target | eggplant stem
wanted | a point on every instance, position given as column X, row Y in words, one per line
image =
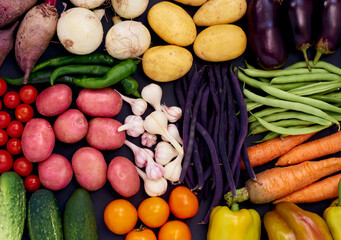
column 317, row 57
column 304, row 51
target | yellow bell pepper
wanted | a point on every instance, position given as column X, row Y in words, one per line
column 332, row 215
column 234, row 224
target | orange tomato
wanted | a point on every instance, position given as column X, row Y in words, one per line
column 141, row 234
column 120, row 216
column 183, row 202
column 175, row 230
column 153, row 212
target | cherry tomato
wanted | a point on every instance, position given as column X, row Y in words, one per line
column 153, row 212
column 22, row 166
column 6, row 161
column 15, row 128
column 3, row 137
column 183, row 203
column 32, row 183
column 120, row 216
column 13, row 146
column 11, row 99
column 141, row 234
column 3, row 86
column 28, row 94
column 175, row 230
column 24, row 112
column 5, row 119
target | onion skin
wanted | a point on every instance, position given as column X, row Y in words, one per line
column 130, row 9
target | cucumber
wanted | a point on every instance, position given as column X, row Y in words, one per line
column 43, row 217
column 79, row 217
column 12, row 206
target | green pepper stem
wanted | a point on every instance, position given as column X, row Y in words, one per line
column 235, row 207
column 241, row 195
column 339, row 189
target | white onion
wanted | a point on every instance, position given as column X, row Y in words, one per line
column 89, row 4
column 127, row 39
column 80, row 31
column 129, row 8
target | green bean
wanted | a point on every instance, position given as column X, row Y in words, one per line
column 252, row 105
column 291, row 130
column 292, row 115
column 280, row 72
column 283, row 123
column 265, row 112
column 267, row 137
column 315, row 88
column 252, row 67
column 306, row 78
column 305, row 100
column 256, row 84
column 289, row 105
column 320, row 64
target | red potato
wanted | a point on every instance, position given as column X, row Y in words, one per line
column 6, row 41
column 34, row 35
column 37, row 140
column 123, row 176
column 11, row 10
column 54, row 100
column 104, row 102
column 103, row 134
column 90, row 168
column 71, row 126
column 55, row 173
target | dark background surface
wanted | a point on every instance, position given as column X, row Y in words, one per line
column 105, row 195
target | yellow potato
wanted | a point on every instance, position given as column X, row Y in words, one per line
column 220, row 43
column 172, row 23
column 166, row 63
column 192, row 2
column 219, row 12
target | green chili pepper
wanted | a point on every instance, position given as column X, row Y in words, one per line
column 93, row 58
column 79, row 69
column 37, row 77
column 118, row 72
column 130, row 86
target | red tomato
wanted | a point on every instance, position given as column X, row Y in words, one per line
column 141, row 234
column 28, row 94
column 24, row 112
column 3, row 137
column 175, row 230
column 11, row 99
column 14, row 129
column 6, row 161
column 32, row 183
column 5, row 119
column 183, row 203
column 22, row 166
column 13, row 146
column 3, row 87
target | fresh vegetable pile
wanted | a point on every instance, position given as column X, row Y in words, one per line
column 138, row 120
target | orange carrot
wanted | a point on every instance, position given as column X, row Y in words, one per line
column 265, row 152
column 278, row 182
column 311, row 150
column 315, row 192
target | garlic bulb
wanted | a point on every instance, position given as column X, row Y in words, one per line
column 153, row 188
column 148, row 139
column 164, row 153
column 133, row 125
column 173, row 113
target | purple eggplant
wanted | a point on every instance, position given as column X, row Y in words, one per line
column 264, row 33
column 330, row 35
column 300, row 13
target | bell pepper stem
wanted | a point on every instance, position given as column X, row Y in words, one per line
column 241, row 195
column 235, row 207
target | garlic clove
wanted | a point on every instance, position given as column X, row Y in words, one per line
column 174, row 132
column 152, row 94
column 148, row 139
column 173, row 169
column 164, row 153
column 173, row 113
